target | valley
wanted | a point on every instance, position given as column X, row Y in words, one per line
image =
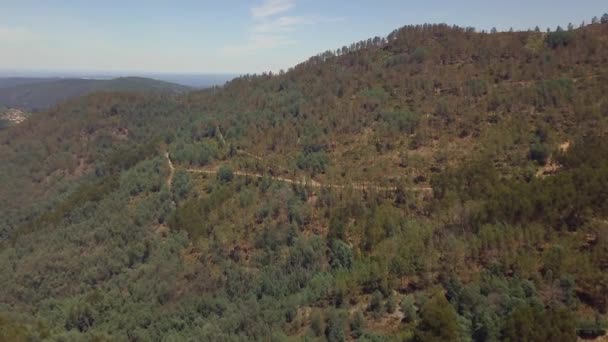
column 438, row 184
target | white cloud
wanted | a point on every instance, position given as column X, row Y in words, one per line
column 272, row 26
column 289, row 23
column 257, row 42
column 269, row 29
column 272, row 7
column 281, row 24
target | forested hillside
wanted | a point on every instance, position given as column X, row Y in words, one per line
column 41, row 93
column 439, row 184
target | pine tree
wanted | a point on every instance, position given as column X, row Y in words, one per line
column 438, row 321
column 334, row 332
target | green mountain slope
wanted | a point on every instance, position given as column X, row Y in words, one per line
column 438, row 184
column 37, row 94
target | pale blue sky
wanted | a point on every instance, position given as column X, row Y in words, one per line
column 235, row 36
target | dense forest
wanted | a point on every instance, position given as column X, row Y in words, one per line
column 436, row 184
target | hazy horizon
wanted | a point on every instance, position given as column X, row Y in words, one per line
column 196, row 80
column 236, row 38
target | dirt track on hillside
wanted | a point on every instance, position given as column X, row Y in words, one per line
column 361, row 186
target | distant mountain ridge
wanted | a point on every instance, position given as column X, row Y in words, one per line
column 33, row 94
column 8, row 82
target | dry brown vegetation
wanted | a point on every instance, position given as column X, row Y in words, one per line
column 148, row 217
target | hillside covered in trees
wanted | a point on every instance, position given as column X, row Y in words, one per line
column 438, row 184
column 31, row 94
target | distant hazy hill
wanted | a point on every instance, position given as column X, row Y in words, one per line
column 8, row 82
column 192, row 80
column 40, row 93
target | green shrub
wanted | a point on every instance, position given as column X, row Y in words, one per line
column 403, row 122
column 420, row 54
column 182, row 184
column 357, row 325
column 391, row 304
column 524, row 322
column 316, row 323
column 375, row 302
column 315, row 162
column 335, row 327
column 438, row 321
column 80, row 317
column 408, row 307
column 591, row 328
column 539, row 152
column 476, row 87
column 225, row 174
column 341, row 255
column 559, row 38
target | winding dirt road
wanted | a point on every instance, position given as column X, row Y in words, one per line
column 364, row 186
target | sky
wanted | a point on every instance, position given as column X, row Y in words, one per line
column 234, row 36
